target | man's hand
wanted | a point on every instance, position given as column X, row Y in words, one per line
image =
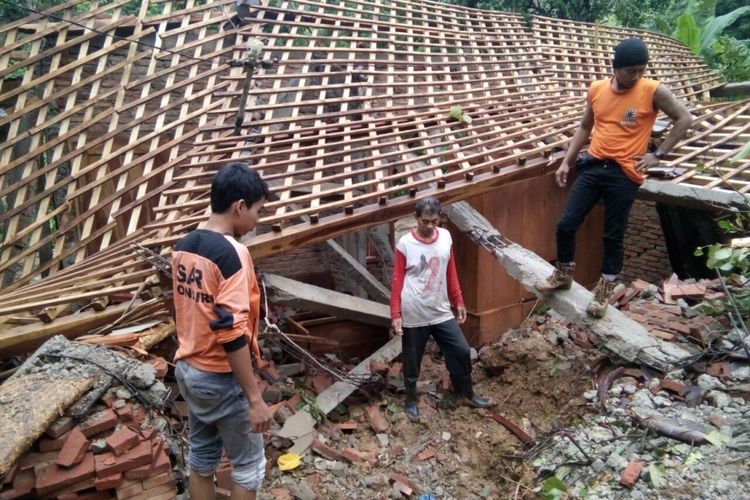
column 561, row 174
column 260, row 417
column 461, row 317
column 644, row 162
column 397, row 326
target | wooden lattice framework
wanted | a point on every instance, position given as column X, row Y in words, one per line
column 107, row 142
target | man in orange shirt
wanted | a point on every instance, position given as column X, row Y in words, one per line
column 621, row 110
column 217, row 306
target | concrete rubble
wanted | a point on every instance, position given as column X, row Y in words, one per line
column 565, row 417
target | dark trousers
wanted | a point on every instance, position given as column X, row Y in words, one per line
column 597, row 179
column 452, row 344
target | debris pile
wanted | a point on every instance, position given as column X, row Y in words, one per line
column 112, row 441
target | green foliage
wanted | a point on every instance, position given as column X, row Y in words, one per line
column 553, row 488
column 656, row 472
column 698, row 26
column 457, row 113
column 312, row 405
column 716, row 30
column 688, row 32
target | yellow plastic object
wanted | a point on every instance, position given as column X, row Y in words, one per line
column 288, row 461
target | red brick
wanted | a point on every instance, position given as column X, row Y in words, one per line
column 347, row 426
column 129, row 490
column 663, row 335
column 400, row 478
column 719, row 369
column 291, row 403
column 122, row 440
column 403, row 488
column 358, row 457
column 60, row 427
column 74, row 449
column 270, row 371
column 281, row 494
column 314, row 479
column 36, row 460
column 674, row 386
column 631, row 473
column 679, row 327
column 99, row 422
column 163, row 492
column 108, row 464
column 158, row 480
column 148, row 432
column 85, row 495
column 24, row 481
column 425, row 454
column 377, row 420
column 53, row 477
column 125, row 413
column 109, row 482
column 326, row 451
column 157, row 465
column 51, row 444
column 637, row 317
column 160, row 366
column 321, row 382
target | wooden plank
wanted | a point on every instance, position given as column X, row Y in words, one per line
column 314, row 298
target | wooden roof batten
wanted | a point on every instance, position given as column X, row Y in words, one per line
column 109, row 142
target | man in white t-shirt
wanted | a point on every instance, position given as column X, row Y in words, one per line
column 424, row 286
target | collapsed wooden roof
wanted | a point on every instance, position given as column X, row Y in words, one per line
column 117, row 117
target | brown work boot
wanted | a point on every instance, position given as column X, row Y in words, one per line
column 602, row 293
column 561, row 279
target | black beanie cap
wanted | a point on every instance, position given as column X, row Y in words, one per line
column 630, row 52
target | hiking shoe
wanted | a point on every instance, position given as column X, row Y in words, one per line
column 560, row 279
column 412, row 410
column 602, row 293
column 477, row 402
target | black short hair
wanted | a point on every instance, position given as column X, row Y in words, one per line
column 237, row 181
column 431, row 205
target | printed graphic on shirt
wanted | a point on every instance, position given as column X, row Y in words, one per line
column 431, row 277
column 190, row 284
column 630, row 118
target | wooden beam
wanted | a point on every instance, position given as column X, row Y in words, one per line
column 732, row 90
column 358, row 274
column 314, row 298
column 615, row 333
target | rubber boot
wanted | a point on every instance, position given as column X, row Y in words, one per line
column 410, row 406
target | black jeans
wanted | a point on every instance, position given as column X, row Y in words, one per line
column 452, row 344
column 597, row 179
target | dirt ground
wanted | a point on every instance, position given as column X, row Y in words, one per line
column 470, row 455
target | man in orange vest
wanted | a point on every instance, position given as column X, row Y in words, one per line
column 621, row 110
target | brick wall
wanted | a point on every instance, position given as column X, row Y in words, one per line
column 645, row 249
